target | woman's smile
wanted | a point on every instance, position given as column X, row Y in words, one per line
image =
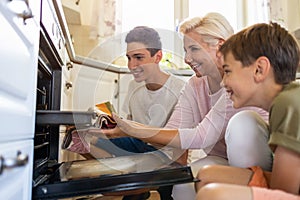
column 196, row 68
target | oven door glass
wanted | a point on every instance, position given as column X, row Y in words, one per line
column 109, row 175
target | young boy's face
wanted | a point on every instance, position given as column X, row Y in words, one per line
column 239, row 81
column 140, row 62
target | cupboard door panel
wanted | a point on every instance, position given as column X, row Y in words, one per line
column 19, row 41
column 16, row 182
column 92, row 86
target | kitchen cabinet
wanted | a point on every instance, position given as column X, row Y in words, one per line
column 93, row 86
column 19, row 39
column 67, row 84
column 16, row 176
column 124, row 80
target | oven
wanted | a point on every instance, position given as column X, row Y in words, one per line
column 56, row 180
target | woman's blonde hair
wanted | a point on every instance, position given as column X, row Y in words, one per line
column 212, row 27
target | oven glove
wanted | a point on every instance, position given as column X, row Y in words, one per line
column 105, row 122
column 68, row 137
column 78, row 141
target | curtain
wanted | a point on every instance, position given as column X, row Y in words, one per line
column 255, row 11
column 104, row 19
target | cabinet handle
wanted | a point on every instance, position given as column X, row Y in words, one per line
column 68, row 85
column 116, row 93
column 9, row 163
column 69, row 65
column 26, row 13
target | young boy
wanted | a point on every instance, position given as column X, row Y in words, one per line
column 260, row 70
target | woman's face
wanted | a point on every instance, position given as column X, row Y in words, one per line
column 201, row 56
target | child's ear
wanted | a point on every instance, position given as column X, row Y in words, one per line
column 262, row 65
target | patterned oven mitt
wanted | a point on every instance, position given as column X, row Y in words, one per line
column 78, row 141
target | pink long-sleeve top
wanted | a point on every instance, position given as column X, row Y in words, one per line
column 202, row 117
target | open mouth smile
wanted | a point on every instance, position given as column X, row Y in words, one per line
column 230, row 93
column 136, row 72
column 196, row 67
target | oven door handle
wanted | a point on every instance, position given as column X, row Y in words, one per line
column 9, row 163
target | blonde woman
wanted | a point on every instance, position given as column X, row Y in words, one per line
column 204, row 112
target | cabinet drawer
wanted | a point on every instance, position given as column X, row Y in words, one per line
column 16, row 182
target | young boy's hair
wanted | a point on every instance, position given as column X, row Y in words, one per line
column 147, row 36
column 271, row 41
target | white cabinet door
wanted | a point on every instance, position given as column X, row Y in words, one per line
column 66, row 85
column 19, row 41
column 92, row 86
column 16, row 181
column 123, row 89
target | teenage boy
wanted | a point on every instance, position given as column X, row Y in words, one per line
column 150, row 99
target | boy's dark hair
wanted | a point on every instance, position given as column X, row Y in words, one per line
column 270, row 40
column 147, row 36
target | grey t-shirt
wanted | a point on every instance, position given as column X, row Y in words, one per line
column 152, row 107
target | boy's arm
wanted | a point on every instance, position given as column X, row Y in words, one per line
column 286, row 173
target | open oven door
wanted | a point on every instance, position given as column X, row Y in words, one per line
column 111, row 175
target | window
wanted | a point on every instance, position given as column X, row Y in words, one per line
column 227, row 8
column 240, row 13
column 154, row 13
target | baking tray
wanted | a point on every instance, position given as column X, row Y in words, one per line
column 112, row 175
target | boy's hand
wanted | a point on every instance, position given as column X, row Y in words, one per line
column 113, row 133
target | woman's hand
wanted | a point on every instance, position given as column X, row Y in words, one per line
column 126, row 125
